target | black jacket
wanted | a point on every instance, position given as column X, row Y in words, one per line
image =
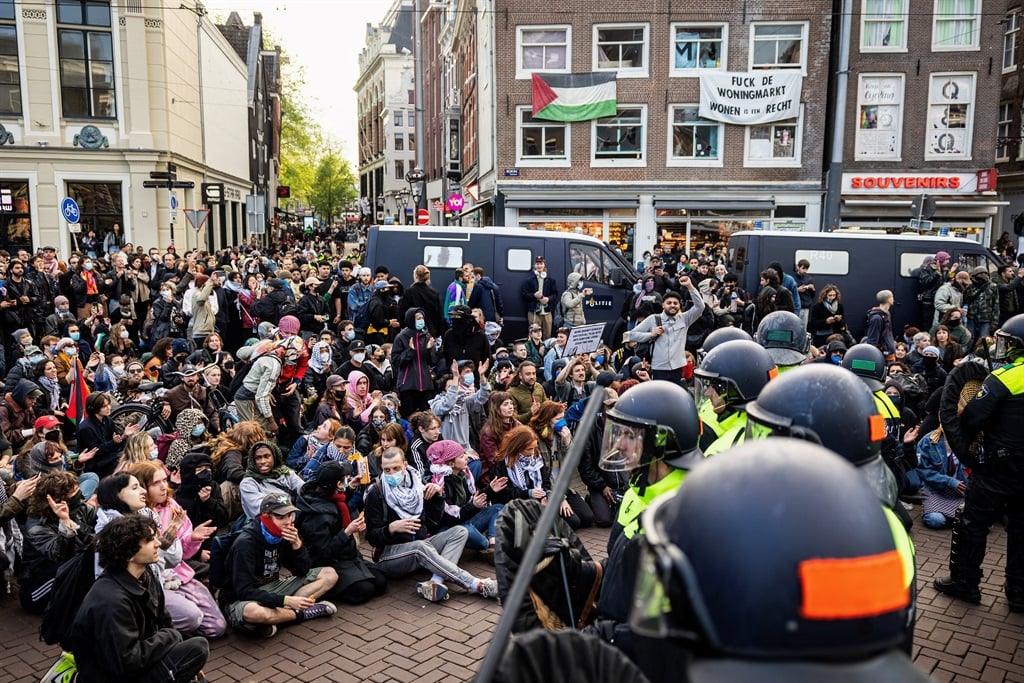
column 379, row 516
column 252, row 563
column 423, row 296
column 321, row 527
column 187, row 495
column 122, row 629
column 310, row 306
column 97, row 432
column 269, row 307
column 411, row 358
column 513, row 492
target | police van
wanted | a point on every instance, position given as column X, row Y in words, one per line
column 507, row 257
column 859, row 264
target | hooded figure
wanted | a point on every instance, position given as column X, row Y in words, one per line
column 191, row 428
column 572, row 301
column 466, row 340
column 197, row 474
column 321, row 364
column 17, row 412
column 256, row 484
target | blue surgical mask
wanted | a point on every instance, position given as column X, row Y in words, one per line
column 420, row 323
column 35, row 359
column 75, row 336
column 393, row 480
column 837, row 359
column 350, row 335
column 560, row 425
column 154, row 452
column 468, row 380
column 198, row 430
column 87, row 266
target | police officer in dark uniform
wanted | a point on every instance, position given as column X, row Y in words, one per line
column 729, row 377
column 996, row 486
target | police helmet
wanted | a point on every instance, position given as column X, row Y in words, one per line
column 868, row 363
column 783, row 334
column 654, row 420
column 733, row 374
column 788, row 587
column 1010, row 339
column 720, row 336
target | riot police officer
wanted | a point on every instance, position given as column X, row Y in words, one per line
column 782, row 333
column 996, row 486
column 712, row 429
column 731, row 375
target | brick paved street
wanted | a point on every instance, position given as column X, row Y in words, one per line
column 400, row 637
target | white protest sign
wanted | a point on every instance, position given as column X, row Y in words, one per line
column 583, row 339
column 747, row 98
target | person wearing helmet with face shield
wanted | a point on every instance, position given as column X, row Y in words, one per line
column 997, row 475
column 730, row 376
column 782, row 334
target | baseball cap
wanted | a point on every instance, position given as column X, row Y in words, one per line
column 277, row 503
column 357, row 345
column 335, row 381
column 46, row 422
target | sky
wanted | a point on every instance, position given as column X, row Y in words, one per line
column 324, row 37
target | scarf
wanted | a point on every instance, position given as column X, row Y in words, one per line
column 38, row 461
column 236, row 287
column 341, row 502
column 90, row 283
column 53, row 388
column 280, row 469
column 406, row 499
column 526, row 467
column 832, row 306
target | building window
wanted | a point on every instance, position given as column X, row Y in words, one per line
column 10, row 78
column 775, row 144
column 955, row 24
column 879, row 117
column 621, row 48
column 15, row 216
column 412, row 142
column 778, row 46
column 399, row 118
column 86, row 59
column 1003, row 141
column 620, row 140
column 543, row 48
column 1012, row 23
column 693, row 140
column 950, row 116
column 100, row 206
column 699, row 47
column 399, row 170
column 539, row 142
column 399, row 142
column 883, row 26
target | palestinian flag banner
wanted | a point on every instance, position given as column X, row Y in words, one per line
column 573, row 97
column 79, row 392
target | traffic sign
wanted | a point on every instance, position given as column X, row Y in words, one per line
column 174, row 202
column 197, row 217
column 437, row 205
column 455, row 202
column 69, row 208
column 422, row 217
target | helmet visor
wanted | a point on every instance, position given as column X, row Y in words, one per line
column 1004, row 345
column 712, row 393
column 622, row 446
column 761, row 424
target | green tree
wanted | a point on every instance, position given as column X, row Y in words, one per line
column 334, row 185
column 301, row 137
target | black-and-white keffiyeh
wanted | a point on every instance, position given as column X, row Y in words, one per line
column 526, row 471
column 406, row 499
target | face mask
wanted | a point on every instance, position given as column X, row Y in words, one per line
column 270, row 525
column 53, row 349
column 53, row 435
column 378, row 424
column 580, row 286
column 154, row 452
column 954, row 322
column 325, row 358
column 76, row 501
column 71, row 351
column 393, row 480
column 837, row 359
column 75, row 336
column 87, row 266
column 350, row 335
column 63, row 310
column 338, row 395
column 420, row 323
column 35, row 359
column 205, row 477
column 166, row 294
column 930, row 361
column 118, row 370
column 359, row 357
column 561, row 424
column 125, row 334
column 198, row 430
column 468, row 380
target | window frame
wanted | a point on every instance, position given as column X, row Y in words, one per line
column 937, row 17
column 903, row 19
column 525, row 73
column 85, row 31
column 1003, row 130
column 674, row 27
column 621, row 71
column 611, row 162
column 541, row 161
column 1010, row 34
column 14, row 86
column 804, row 30
column 688, row 162
column 859, row 153
column 398, row 142
column 930, row 125
column 782, row 162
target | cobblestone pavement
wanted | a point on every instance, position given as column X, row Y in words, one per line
column 400, row 637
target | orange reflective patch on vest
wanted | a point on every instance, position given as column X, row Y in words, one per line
column 852, row 588
column 876, row 427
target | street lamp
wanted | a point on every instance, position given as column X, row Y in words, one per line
column 416, row 179
column 402, row 200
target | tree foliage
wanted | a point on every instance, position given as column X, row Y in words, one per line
column 334, row 185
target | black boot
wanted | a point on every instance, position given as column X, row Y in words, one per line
column 965, row 556
column 958, row 588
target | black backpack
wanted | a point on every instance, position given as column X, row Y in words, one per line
column 71, row 584
column 220, row 547
column 646, row 349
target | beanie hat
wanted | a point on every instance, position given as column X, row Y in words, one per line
column 942, row 256
column 289, row 325
column 444, row 451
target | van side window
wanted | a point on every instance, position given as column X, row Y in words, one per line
column 518, row 261
column 442, row 257
column 909, row 260
column 969, row 262
column 739, row 259
column 825, row 261
column 586, row 260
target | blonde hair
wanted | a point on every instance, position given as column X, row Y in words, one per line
column 135, row 450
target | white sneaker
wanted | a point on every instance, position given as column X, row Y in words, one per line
column 488, row 588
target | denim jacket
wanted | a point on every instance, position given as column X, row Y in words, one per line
column 940, row 472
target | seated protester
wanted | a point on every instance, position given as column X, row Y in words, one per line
column 107, row 373
column 55, row 323
column 426, row 429
column 360, row 400
column 394, row 407
column 402, row 524
column 332, row 403
column 96, row 433
column 930, row 368
column 216, row 389
column 378, row 368
column 54, row 400
column 190, row 393
column 17, row 412
column 519, row 461
column 59, row 526
column 122, row 631
column 198, row 494
column 369, row 436
column 321, row 365
column 191, row 429
column 575, row 381
column 501, row 417
column 210, row 353
column 230, row 452
column 553, row 438
column 189, row 602
column 306, row 446
column 454, row 403
column 23, row 368
column 526, row 391
column 326, row 524
column 138, row 447
column 464, row 502
column 170, row 371
column 47, row 453
column 265, row 473
column 339, row 449
column 391, row 436
column 944, row 478
column 255, row 597
column 605, row 489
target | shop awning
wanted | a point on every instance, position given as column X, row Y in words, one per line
column 473, row 208
column 977, row 207
column 720, row 205
column 571, row 203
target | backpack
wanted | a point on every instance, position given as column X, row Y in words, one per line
column 220, row 547
column 73, row 580
column 646, row 349
column 163, row 444
column 289, row 307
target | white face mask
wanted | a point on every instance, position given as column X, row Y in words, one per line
column 359, row 357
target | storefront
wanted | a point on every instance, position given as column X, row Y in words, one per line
column 616, row 227
column 15, row 216
column 951, row 204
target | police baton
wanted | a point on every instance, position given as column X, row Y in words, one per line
column 533, row 551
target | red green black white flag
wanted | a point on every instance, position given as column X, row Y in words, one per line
column 573, row 97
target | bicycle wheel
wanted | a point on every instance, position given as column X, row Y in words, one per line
column 138, row 413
